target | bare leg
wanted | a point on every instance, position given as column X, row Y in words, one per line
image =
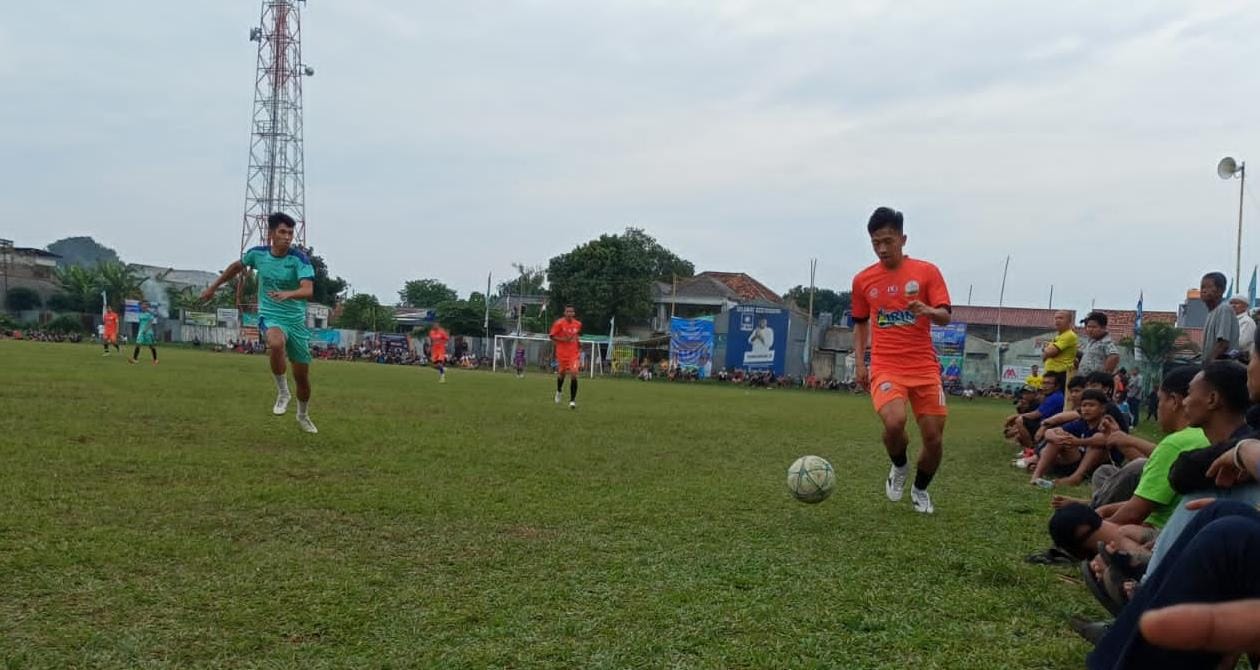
column 895, row 438
column 1092, row 459
column 932, row 428
column 275, row 350
column 302, row 375
column 1049, row 454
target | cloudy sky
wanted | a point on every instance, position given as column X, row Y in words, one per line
column 449, row 140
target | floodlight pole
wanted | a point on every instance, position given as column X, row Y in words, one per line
column 1242, row 175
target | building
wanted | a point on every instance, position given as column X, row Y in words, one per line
column 28, row 267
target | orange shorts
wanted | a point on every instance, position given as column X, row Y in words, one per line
column 564, row 365
column 438, row 354
column 926, row 395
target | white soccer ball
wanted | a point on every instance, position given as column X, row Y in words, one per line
column 811, row 479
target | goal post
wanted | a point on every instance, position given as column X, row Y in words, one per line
column 539, row 350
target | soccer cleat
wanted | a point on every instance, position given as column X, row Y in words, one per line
column 896, row 483
column 131, row 360
column 441, row 379
column 282, row 404
column 155, row 361
column 558, row 398
column 572, row 404
column 304, row 422
column 922, row 501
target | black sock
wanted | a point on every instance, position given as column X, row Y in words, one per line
column 899, row 460
column 136, row 354
column 153, row 350
column 573, row 389
column 559, row 384
column 922, row 479
column 107, row 347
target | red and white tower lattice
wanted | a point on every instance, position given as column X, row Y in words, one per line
column 276, row 181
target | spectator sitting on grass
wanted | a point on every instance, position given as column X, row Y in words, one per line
column 1022, row 426
column 1075, row 449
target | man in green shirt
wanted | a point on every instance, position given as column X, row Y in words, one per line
column 147, row 334
column 286, row 280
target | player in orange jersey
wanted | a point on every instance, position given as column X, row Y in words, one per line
column 564, row 333
column 110, row 335
column 895, row 303
column 438, row 337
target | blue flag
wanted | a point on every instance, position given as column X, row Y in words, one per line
column 1251, row 289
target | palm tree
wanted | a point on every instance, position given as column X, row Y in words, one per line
column 1159, row 343
column 119, row 281
column 80, row 288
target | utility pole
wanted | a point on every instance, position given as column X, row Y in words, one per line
column 1001, row 299
column 1051, row 305
column 809, row 329
column 969, row 287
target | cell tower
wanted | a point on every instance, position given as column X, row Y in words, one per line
column 276, row 181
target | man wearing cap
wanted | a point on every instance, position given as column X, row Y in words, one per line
column 1246, row 324
column 1098, row 351
column 1220, row 333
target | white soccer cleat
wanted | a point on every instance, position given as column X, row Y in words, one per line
column 922, row 501
column 558, row 398
column 441, row 379
column 572, row 404
column 896, row 483
column 282, row 404
column 304, row 422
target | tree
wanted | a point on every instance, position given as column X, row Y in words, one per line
column 326, row 289
column 612, row 276
column 80, row 290
column 365, row 312
column 468, row 317
column 530, row 280
column 82, row 251
column 663, row 264
column 826, row 301
column 21, row 299
column 1160, row 344
column 119, row 282
column 425, row 293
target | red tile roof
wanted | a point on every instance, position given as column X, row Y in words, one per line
column 1014, row 317
column 744, row 286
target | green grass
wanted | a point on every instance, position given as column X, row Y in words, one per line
column 161, row 517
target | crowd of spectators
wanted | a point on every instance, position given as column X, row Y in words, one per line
column 36, row 335
column 1168, row 537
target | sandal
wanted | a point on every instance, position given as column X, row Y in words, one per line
column 1099, row 591
column 1051, row 556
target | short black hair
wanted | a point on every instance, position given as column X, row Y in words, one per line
column 1101, row 378
column 1095, row 395
column 1058, row 377
column 1097, row 317
column 1230, row 380
column 1177, row 381
column 1218, row 279
column 1076, row 382
column 885, row 217
column 277, row 219
column 1065, row 526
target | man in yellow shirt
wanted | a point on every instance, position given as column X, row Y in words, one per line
column 1033, row 379
column 1060, row 353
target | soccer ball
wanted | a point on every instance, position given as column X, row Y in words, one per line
column 811, row 479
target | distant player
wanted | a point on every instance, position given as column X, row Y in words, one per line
column 147, row 335
column 903, row 297
column 110, row 333
column 564, row 333
column 518, row 361
column 286, row 280
column 438, row 337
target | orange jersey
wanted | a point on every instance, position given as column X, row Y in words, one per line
column 111, row 324
column 564, row 328
column 900, row 343
column 438, row 338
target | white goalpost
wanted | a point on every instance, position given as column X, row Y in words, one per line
column 538, row 348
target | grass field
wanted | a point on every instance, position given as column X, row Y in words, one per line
column 161, row 517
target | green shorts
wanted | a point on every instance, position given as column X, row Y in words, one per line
column 297, row 339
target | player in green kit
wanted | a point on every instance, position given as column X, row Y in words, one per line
column 286, row 280
column 147, row 334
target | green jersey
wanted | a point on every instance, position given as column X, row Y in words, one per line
column 1154, row 484
column 284, row 273
column 148, row 329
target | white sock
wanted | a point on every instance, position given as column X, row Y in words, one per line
column 302, row 407
column 282, row 384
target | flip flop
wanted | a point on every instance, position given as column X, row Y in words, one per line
column 1099, row 591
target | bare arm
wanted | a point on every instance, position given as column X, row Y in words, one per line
column 232, row 270
column 1218, row 350
column 304, row 291
column 1134, row 510
column 1112, row 362
column 860, row 332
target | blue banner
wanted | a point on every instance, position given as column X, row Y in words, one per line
column 758, row 339
column 326, row 337
column 691, row 344
column 950, row 342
